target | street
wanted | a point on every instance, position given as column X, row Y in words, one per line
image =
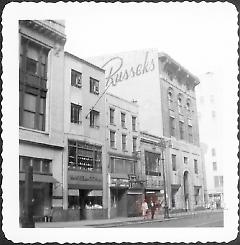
column 214, row 219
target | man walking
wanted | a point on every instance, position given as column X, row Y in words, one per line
column 153, row 208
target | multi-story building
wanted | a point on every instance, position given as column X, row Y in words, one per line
column 84, row 134
column 209, row 116
column 125, row 189
column 185, row 176
column 41, row 141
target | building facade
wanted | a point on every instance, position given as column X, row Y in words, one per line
column 125, row 189
column 185, row 176
column 209, row 116
column 152, row 167
column 41, row 144
column 84, row 133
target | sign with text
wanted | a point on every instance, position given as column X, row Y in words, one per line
column 84, row 180
column 135, row 76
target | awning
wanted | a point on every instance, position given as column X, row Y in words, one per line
column 95, row 193
column 39, row 178
column 134, row 193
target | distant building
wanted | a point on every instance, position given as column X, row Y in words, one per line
column 122, row 146
column 41, row 66
column 185, row 176
column 209, row 116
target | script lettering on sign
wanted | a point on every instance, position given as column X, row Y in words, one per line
column 115, row 73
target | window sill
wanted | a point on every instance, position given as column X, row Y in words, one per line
column 96, row 127
column 125, row 151
column 112, row 124
column 124, row 127
column 77, row 123
column 113, row 148
column 34, row 130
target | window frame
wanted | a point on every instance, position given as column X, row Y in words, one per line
column 174, row 163
column 74, row 76
column 33, row 83
column 112, row 141
column 124, row 142
column 94, row 119
column 111, row 115
column 76, row 110
column 94, row 86
column 123, row 120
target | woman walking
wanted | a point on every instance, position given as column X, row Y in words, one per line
column 144, row 209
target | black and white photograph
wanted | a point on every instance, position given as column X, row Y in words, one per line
column 120, row 122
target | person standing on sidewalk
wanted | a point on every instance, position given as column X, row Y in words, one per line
column 153, row 208
column 144, row 209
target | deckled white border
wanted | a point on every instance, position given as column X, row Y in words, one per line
column 15, row 11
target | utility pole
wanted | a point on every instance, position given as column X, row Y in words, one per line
column 28, row 197
column 162, row 145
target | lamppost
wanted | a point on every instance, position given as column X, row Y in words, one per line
column 163, row 145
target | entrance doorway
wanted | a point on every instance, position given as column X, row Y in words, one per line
column 186, row 190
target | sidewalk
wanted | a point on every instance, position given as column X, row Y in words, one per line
column 118, row 221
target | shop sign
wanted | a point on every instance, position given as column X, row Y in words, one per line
column 115, row 182
column 84, row 178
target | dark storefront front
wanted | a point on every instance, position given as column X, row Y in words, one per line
column 85, row 180
column 42, row 186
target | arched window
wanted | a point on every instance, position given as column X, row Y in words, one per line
column 170, row 98
column 180, row 101
column 188, row 105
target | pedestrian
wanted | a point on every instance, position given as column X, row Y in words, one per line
column 144, row 209
column 50, row 218
column 153, row 208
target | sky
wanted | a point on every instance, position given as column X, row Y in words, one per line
column 201, row 37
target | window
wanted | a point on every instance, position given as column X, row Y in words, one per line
column 170, row 98
column 185, row 160
column 152, row 164
column 40, row 166
column 83, row 156
column 213, row 114
column 134, row 144
column 134, row 120
column 112, row 115
column 76, row 113
column 218, row 181
column 195, row 166
column 94, row 86
column 181, row 130
column 172, row 126
column 190, row 133
column 214, row 166
column 94, row 119
column 112, row 139
column 188, row 105
column 174, row 163
column 123, row 120
column 212, row 98
column 123, row 166
column 76, row 79
column 213, row 152
column 32, row 85
column 124, row 139
column 180, row 104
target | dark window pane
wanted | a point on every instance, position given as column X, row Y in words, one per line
column 46, row 166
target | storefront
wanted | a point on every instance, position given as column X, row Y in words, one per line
column 85, row 194
column 42, row 195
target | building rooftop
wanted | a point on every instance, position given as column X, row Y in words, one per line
column 134, row 102
column 83, row 61
column 181, row 71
